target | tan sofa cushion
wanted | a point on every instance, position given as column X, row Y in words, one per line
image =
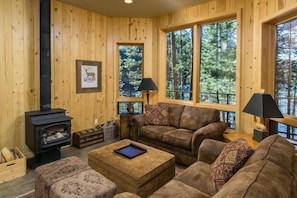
column 276, row 149
column 194, row 118
column 175, row 188
column 175, row 112
column 180, row 138
column 198, row 176
column 154, row 132
column 261, row 179
column 232, row 157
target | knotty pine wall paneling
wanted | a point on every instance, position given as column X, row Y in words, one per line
column 77, row 34
column 19, row 60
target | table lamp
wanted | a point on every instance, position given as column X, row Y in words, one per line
column 263, row 106
column 147, row 84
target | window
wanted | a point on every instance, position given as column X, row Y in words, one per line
column 217, row 83
column 179, row 64
column 218, row 62
column 286, row 67
column 286, row 74
column 130, row 76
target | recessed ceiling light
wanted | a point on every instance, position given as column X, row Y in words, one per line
column 128, row 1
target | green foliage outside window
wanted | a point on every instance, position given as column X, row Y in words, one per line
column 179, row 64
column 130, row 70
column 218, row 62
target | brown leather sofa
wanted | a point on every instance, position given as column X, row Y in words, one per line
column 188, row 126
column 271, row 171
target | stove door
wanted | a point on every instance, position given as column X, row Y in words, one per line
column 57, row 134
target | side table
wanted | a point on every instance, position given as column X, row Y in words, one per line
column 125, row 124
column 248, row 137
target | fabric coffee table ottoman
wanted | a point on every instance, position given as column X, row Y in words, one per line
column 141, row 175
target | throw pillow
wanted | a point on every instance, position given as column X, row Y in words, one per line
column 156, row 114
column 232, row 157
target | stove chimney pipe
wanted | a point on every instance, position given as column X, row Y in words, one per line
column 45, row 56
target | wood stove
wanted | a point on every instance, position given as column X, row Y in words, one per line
column 46, row 132
column 49, row 129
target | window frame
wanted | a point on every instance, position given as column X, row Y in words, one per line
column 125, row 99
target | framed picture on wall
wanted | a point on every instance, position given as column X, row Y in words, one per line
column 88, row 76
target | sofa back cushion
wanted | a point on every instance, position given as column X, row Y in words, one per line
column 174, row 114
column 261, row 179
column 194, row 118
column 275, row 149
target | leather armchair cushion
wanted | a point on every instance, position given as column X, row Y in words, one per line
column 194, row 118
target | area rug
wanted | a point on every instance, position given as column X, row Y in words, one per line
column 31, row 194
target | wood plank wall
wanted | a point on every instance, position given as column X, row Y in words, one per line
column 19, row 58
column 81, row 34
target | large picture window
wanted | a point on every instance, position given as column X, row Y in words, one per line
column 179, row 64
column 218, row 62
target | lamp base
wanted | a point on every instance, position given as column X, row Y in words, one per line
column 260, row 135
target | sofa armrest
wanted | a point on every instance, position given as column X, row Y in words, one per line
column 214, row 130
column 209, row 150
column 137, row 121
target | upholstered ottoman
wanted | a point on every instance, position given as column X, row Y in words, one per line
column 71, row 177
column 141, row 175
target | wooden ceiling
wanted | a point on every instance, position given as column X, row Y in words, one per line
column 139, row 8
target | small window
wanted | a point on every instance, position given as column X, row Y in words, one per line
column 122, row 107
column 130, row 70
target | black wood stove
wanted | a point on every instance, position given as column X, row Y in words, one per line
column 46, row 132
column 49, row 129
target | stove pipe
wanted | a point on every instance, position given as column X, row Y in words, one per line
column 45, row 56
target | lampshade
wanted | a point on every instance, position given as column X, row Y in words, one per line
column 262, row 105
column 147, row 84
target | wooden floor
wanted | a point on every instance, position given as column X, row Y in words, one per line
column 21, row 185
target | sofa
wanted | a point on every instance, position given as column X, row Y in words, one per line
column 177, row 129
column 270, row 171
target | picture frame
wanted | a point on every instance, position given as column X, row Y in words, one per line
column 88, row 76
